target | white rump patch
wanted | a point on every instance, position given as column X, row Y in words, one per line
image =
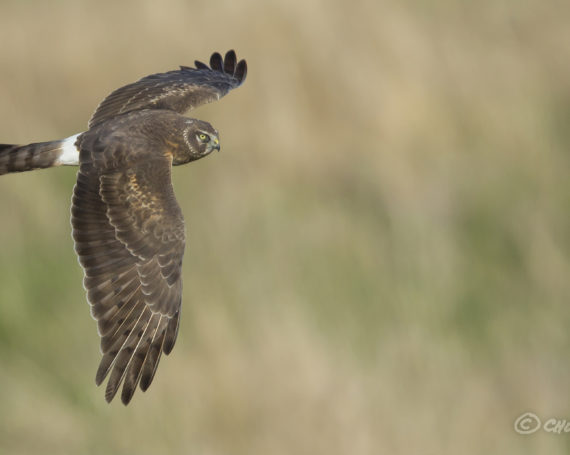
column 69, row 152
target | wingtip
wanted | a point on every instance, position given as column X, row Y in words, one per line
column 110, row 393
column 100, row 375
column 241, row 71
column 216, row 62
column 199, row 65
column 127, row 395
column 228, row 64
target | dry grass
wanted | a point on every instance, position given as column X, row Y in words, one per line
column 378, row 260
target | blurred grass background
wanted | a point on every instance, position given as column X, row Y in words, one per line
column 378, row 261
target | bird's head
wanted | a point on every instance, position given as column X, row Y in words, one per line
column 201, row 138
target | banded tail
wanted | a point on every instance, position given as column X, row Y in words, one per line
column 40, row 155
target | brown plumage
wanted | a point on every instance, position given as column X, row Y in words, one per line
column 128, row 228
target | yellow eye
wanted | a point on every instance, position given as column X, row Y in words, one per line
column 203, row 137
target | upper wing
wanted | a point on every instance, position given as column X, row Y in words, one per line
column 179, row 90
column 129, row 236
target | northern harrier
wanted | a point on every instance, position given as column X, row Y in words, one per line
column 127, row 226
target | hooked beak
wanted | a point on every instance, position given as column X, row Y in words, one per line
column 216, row 144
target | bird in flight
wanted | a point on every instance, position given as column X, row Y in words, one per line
column 127, row 226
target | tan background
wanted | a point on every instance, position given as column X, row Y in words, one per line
column 378, row 259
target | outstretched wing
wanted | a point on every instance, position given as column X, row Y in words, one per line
column 179, row 90
column 129, row 236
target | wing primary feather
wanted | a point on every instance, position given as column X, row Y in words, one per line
column 123, row 322
column 126, row 353
column 200, row 65
column 171, row 333
column 230, row 62
column 152, row 360
column 241, row 71
column 216, row 62
column 134, row 369
column 103, row 309
column 110, row 355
